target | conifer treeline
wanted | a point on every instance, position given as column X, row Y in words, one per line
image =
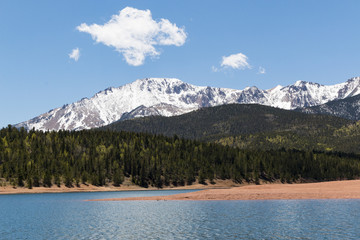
column 37, row 158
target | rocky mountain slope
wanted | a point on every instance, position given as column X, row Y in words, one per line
column 170, row 97
column 348, row 108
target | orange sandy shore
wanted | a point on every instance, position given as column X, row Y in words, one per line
column 127, row 186
column 324, row 190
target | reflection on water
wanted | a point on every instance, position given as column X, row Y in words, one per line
column 66, row 216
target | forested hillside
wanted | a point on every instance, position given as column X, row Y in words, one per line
column 253, row 126
column 37, row 158
column 233, row 119
column 343, row 139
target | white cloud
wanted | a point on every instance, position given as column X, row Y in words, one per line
column 214, row 69
column 236, row 61
column 261, row 70
column 75, row 54
column 135, row 34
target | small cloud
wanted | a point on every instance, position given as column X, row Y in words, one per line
column 235, row 61
column 134, row 34
column 214, row 69
column 75, row 54
column 261, row 70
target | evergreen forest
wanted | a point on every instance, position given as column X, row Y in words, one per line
column 102, row 157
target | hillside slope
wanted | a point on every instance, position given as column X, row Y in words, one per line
column 253, row 126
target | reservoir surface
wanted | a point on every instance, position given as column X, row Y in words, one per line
column 68, row 216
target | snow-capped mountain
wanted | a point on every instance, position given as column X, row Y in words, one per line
column 307, row 94
column 169, row 97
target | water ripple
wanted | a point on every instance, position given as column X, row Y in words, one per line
column 64, row 216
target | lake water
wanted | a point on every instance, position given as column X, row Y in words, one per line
column 67, row 216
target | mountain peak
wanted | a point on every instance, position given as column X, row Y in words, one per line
column 252, row 89
column 162, row 81
column 299, row 82
column 354, row 79
column 304, row 85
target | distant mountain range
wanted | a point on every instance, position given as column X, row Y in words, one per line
column 171, row 97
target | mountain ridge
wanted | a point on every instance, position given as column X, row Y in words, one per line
column 252, row 126
column 348, row 108
column 228, row 120
column 171, row 97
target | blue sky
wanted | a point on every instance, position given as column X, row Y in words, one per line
column 317, row 41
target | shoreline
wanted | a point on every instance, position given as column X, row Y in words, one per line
column 347, row 189
column 222, row 190
column 127, row 186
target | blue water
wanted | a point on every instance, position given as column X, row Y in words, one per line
column 67, row 216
